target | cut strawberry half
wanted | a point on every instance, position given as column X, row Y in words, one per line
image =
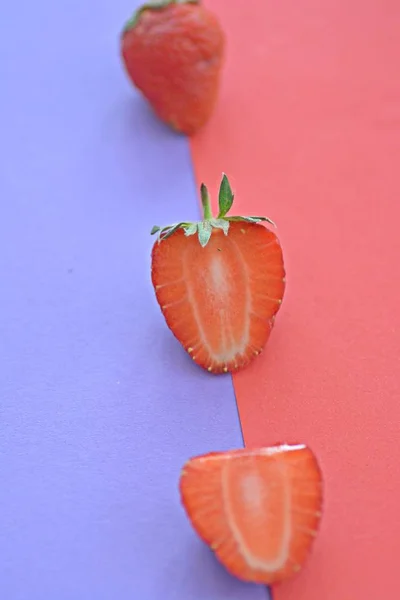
column 258, row 510
column 219, row 283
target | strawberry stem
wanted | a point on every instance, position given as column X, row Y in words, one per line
column 205, row 200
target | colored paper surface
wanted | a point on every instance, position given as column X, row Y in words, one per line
column 99, row 405
column 308, row 130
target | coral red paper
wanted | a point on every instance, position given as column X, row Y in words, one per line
column 308, row 130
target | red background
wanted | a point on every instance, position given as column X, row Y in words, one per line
column 307, row 129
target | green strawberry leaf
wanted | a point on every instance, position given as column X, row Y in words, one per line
column 251, row 219
column 263, row 219
column 166, row 232
column 204, row 228
column 225, row 198
column 220, row 224
column 191, row 229
column 155, row 229
column 205, row 200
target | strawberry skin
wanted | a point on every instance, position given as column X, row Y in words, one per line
column 258, row 510
column 173, row 52
column 219, row 284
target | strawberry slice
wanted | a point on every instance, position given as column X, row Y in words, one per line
column 258, row 510
column 219, row 283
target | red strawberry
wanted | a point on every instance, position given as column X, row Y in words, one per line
column 258, row 510
column 173, row 52
column 219, row 283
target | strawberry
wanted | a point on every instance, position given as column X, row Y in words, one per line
column 258, row 510
column 173, row 52
column 219, row 283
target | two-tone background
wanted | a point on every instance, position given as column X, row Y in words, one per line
column 99, row 406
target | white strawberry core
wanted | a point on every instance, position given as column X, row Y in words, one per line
column 255, row 501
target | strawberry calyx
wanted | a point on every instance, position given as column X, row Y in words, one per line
column 153, row 5
column 204, row 228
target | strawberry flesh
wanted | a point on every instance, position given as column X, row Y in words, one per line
column 259, row 510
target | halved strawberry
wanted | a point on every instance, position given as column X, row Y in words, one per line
column 219, row 283
column 258, row 510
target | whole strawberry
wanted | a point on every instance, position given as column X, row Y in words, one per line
column 173, row 53
column 219, row 284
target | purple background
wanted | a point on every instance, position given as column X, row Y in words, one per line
column 99, row 406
